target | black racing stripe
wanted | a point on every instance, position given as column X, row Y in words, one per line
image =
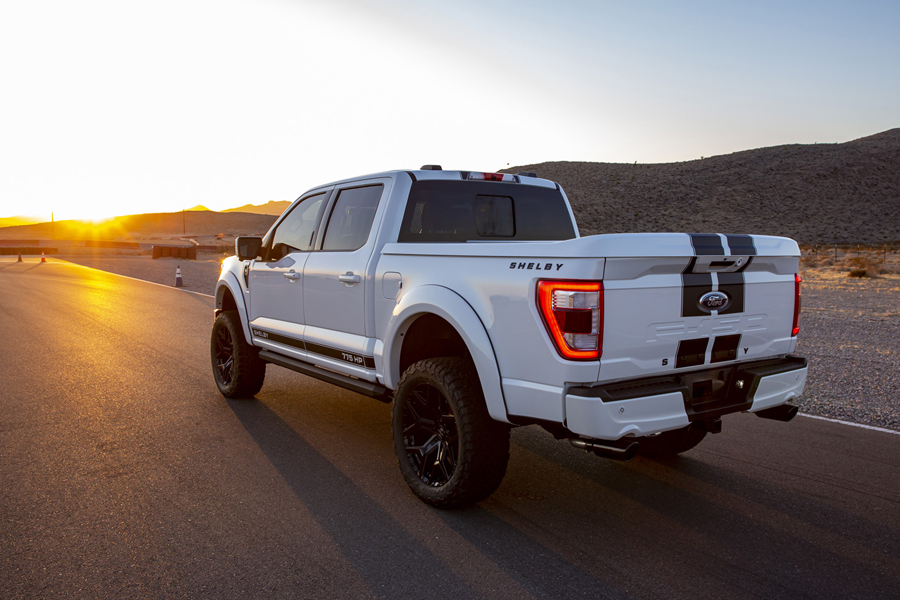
column 725, row 348
column 741, row 245
column 348, row 357
column 733, row 285
column 707, row 244
column 277, row 337
column 691, row 352
column 693, row 285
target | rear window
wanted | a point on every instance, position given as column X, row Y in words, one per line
column 463, row 211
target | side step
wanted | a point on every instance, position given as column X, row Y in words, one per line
column 367, row 388
column 615, row 449
column 785, row 413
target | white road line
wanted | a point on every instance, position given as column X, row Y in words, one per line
column 66, row 262
column 882, row 429
column 171, row 287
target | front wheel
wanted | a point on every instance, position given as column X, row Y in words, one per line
column 670, row 443
column 451, row 452
column 237, row 368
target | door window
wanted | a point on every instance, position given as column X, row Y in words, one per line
column 351, row 220
column 297, row 231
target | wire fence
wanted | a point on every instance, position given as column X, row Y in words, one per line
column 859, row 259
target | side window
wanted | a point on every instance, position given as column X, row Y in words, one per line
column 295, row 232
column 351, row 220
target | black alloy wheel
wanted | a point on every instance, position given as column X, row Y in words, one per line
column 223, row 356
column 430, row 435
column 238, row 370
column 450, row 451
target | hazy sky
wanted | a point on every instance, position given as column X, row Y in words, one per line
column 112, row 107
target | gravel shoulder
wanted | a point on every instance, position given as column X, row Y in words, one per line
column 850, row 332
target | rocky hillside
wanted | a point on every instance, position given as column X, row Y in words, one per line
column 816, row 194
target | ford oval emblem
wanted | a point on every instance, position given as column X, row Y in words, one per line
column 711, row 301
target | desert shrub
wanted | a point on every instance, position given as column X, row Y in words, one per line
column 809, row 261
column 868, row 264
column 858, row 273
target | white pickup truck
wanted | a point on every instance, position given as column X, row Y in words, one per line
column 470, row 301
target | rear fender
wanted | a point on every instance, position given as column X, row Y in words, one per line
column 228, row 283
column 450, row 306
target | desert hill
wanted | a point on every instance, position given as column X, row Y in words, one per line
column 272, row 207
column 817, row 194
column 195, row 223
column 814, row 193
column 18, row 220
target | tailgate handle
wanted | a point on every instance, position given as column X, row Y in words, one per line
column 720, row 264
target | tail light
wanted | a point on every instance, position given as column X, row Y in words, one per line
column 573, row 314
column 796, row 327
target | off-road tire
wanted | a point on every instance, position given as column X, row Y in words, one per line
column 467, row 442
column 237, row 368
column 670, row 443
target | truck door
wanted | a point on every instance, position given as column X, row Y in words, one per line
column 276, row 281
column 337, row 282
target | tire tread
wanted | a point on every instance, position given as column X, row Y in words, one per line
column 484, row 443
column 249, row 368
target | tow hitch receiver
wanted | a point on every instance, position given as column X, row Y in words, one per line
column 785, row 413
column 710, row 426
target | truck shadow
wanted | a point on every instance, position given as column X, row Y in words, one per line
column 707, row 515
column 381, row 549
column 565, row 523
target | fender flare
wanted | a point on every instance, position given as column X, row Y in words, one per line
column 229, row 282
column 450, row 306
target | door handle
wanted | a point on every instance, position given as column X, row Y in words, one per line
column 292, row 276
column 349, row 278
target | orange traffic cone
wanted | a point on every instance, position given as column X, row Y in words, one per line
column 42, row 257
column 20, row 257
column 179, row 282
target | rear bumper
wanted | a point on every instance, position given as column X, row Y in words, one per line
column 646, row 406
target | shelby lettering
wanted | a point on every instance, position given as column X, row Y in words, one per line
column 535, row 266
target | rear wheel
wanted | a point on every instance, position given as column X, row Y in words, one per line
column 237, row 368
column 670, row 443
column 451, row 452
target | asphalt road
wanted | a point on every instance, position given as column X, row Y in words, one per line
column 124, row 474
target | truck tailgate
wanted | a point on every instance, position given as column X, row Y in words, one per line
column 729, row 300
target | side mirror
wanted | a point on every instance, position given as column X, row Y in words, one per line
column 247, row 248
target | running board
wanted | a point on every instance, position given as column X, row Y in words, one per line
column 360, row 386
